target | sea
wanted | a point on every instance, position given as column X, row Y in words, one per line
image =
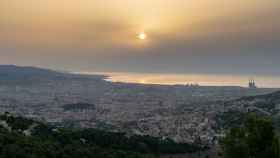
column 262, row 81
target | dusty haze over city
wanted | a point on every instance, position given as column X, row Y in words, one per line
column 139, row 78
column 180, row 36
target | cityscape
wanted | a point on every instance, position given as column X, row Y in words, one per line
column 182, row 113
column 139, row 79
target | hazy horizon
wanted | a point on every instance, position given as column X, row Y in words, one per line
column 262, row 81
column 266, row 81
column 181, row 37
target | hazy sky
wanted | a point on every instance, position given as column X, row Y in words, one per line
column 183, row 36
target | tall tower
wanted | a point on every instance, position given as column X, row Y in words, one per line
column 252, row 84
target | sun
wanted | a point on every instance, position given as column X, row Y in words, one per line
column 142, row 36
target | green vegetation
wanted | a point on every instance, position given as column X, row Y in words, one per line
column 230, row 119
column 25, row 138
column 255, row 138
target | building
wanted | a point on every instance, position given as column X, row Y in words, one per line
column 252, row 84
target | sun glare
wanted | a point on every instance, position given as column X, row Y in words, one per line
column 142, row 36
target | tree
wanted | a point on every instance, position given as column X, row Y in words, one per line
column 255, row 138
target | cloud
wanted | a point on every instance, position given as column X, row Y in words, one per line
column 212, row 36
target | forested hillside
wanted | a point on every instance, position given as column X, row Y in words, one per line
column 25, row 138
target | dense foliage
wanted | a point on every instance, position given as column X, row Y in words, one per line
column 20, row 138
column 230, row 119
column 255, row 138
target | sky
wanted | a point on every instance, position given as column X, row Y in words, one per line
column 183, row 36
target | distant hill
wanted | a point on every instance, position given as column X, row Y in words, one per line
column 269, row 103
column 10, row 73
column 265, row 105
column 17, row 72
column 272, row 97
